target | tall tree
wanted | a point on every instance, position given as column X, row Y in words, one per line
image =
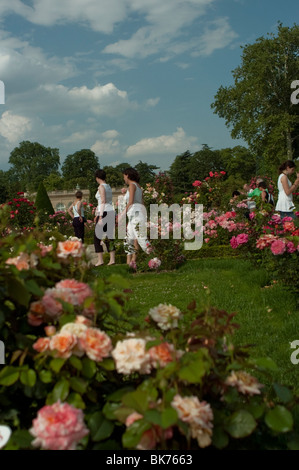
column 179, row 172
column 32, row 162
column 146, row 172
column 258, row 107
column 203, row 161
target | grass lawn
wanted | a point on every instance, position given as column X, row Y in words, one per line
column 267, row 314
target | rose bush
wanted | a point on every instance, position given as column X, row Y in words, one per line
column 81, row 373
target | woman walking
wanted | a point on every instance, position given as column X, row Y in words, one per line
column 137, row 220
column 285, row 204
column 104, row 220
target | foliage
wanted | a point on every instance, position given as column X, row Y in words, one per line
column 179, row 383
column 43, row 204
column 258, row 106
column 32, row 162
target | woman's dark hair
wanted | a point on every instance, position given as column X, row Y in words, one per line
column 262, row 184
column 100, row 174
column 286, row 164
column 132, row 174
column 236, row 193
column 79, row 195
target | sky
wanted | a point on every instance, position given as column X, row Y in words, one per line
column 132, row 80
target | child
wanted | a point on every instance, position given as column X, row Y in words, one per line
column 76, row 212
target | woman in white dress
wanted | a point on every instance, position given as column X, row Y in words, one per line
column 104, row 220
column 285, row 205
column 137, row 218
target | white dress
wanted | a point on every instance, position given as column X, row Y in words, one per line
column 284, row 202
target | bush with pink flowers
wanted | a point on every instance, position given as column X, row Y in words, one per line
column 81, row 373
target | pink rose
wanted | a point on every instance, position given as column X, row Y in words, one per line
column 58, row 427
column 278, row 247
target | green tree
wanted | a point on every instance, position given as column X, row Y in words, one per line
column 43, row 204
column 146, row 172
column 239, row 162
column 204, row 161
column 179, row 172
column 258, row 107
column 32, row 162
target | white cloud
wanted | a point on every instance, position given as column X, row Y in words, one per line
column 164, row 144
column 13, row 127
column 108, row 145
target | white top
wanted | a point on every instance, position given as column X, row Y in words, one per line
column 284, row 202
column 75, row 210
column 108, row 193
column 137, row 200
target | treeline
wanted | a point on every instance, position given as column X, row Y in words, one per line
column 32, row 163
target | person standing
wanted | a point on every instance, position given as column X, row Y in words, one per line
column 285, row 205
column 104, row 220
column 76, row 211
column 137, row 220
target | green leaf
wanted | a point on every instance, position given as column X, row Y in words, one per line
column 265, row 364
column 279, row 419
column 109, row 409
column 34, row 288
column 169, row 417
column 76, row 362
column 137, row 400
column 61, row 390
column 194, row 366
column 18, row 292
column 283, row 393
column 107, row 364
column 220, row 439
column 22, row 438
column 45, row 376
column 28, row 377
column 78, row 384
column 56, row 364
column 133, row 434
column 76, row 400
column 153, row 416
column 89, row 367
column 9, row 375
column 100, row 427
column 240, row 424
column 117, row 396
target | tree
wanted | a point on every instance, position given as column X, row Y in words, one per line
column 258, row 107
column 240, row 163
column 179, row 172
column 32, row 162
column 146, row 172
column 204, row 161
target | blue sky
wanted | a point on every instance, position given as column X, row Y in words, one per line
column 130, row 79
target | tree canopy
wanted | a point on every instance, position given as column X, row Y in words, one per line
column 32, row 162
column 258, row 106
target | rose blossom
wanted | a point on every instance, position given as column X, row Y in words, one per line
column 244, row 382
column 165, row 315
column 95, row 343
column 130, row 356
column 58, row 427
column 42, row 344
column 63, row 343
column 72, row 248
column 278, row 247
column 198, row 415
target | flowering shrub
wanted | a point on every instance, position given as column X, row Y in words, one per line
column 21, row 212
column 79, row 375
column 208, row 192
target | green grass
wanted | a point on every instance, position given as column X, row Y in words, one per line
column 268, row 316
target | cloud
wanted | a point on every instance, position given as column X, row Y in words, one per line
column 164, row 144
column 108, row 145
column 13, row 127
